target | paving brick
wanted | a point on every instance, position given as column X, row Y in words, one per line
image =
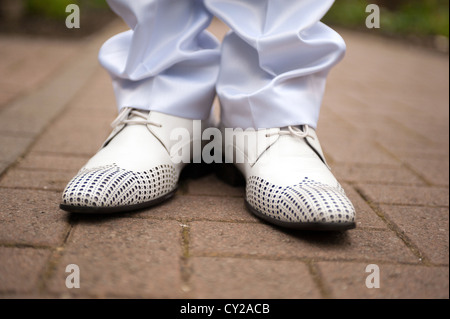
column 12, row 147
column 435, row 171
column 52, row 162
column 51, row 56
column 383, row 127
column 45, row 180
column 20, row 268
column 33, row 295
column 353, row 149
column 31, row 217
column 365, row 216
column 86, row 123
column 374, row 129
column 406, row 195
column 348, row 280
column 122, row 257
column 212, row 186
column 420, row 152
column 433, row 125
column 3, row 166
column 32, row 112
column 82, row 136
column 200, row 207
column 356, row 110
column 213, row 238
column 7, row 93
column 223, row 278
column 97, row 100
column 332, row 124
column 375, row 174
column 19, row 54
column 13, row 49
column 426, row 227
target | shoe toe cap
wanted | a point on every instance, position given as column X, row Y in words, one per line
column 307, row 202
column 111, row 186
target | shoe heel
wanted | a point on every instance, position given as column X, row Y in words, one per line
column 229, row 174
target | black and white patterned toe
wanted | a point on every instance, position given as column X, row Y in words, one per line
column 306, row 205
column 112, row 189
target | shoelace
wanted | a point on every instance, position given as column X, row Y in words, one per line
column 294, row 131
column 127, row 112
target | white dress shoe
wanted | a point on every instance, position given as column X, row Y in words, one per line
column 288, row 182
column 133, row 169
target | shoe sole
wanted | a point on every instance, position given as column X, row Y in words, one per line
column 116, row 209
column 315, row 226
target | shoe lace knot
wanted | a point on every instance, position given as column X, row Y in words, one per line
column 131, row 116
column 294, row 131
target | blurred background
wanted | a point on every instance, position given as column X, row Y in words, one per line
column 47, row 17
column 424, row 22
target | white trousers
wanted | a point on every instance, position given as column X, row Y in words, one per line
column 270, row 70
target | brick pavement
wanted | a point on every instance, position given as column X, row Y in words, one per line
column 384, row 128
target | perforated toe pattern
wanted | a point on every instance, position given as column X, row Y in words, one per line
column 305, row 202
column 111, row 186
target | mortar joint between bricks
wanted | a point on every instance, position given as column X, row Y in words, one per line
column 393, row 227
